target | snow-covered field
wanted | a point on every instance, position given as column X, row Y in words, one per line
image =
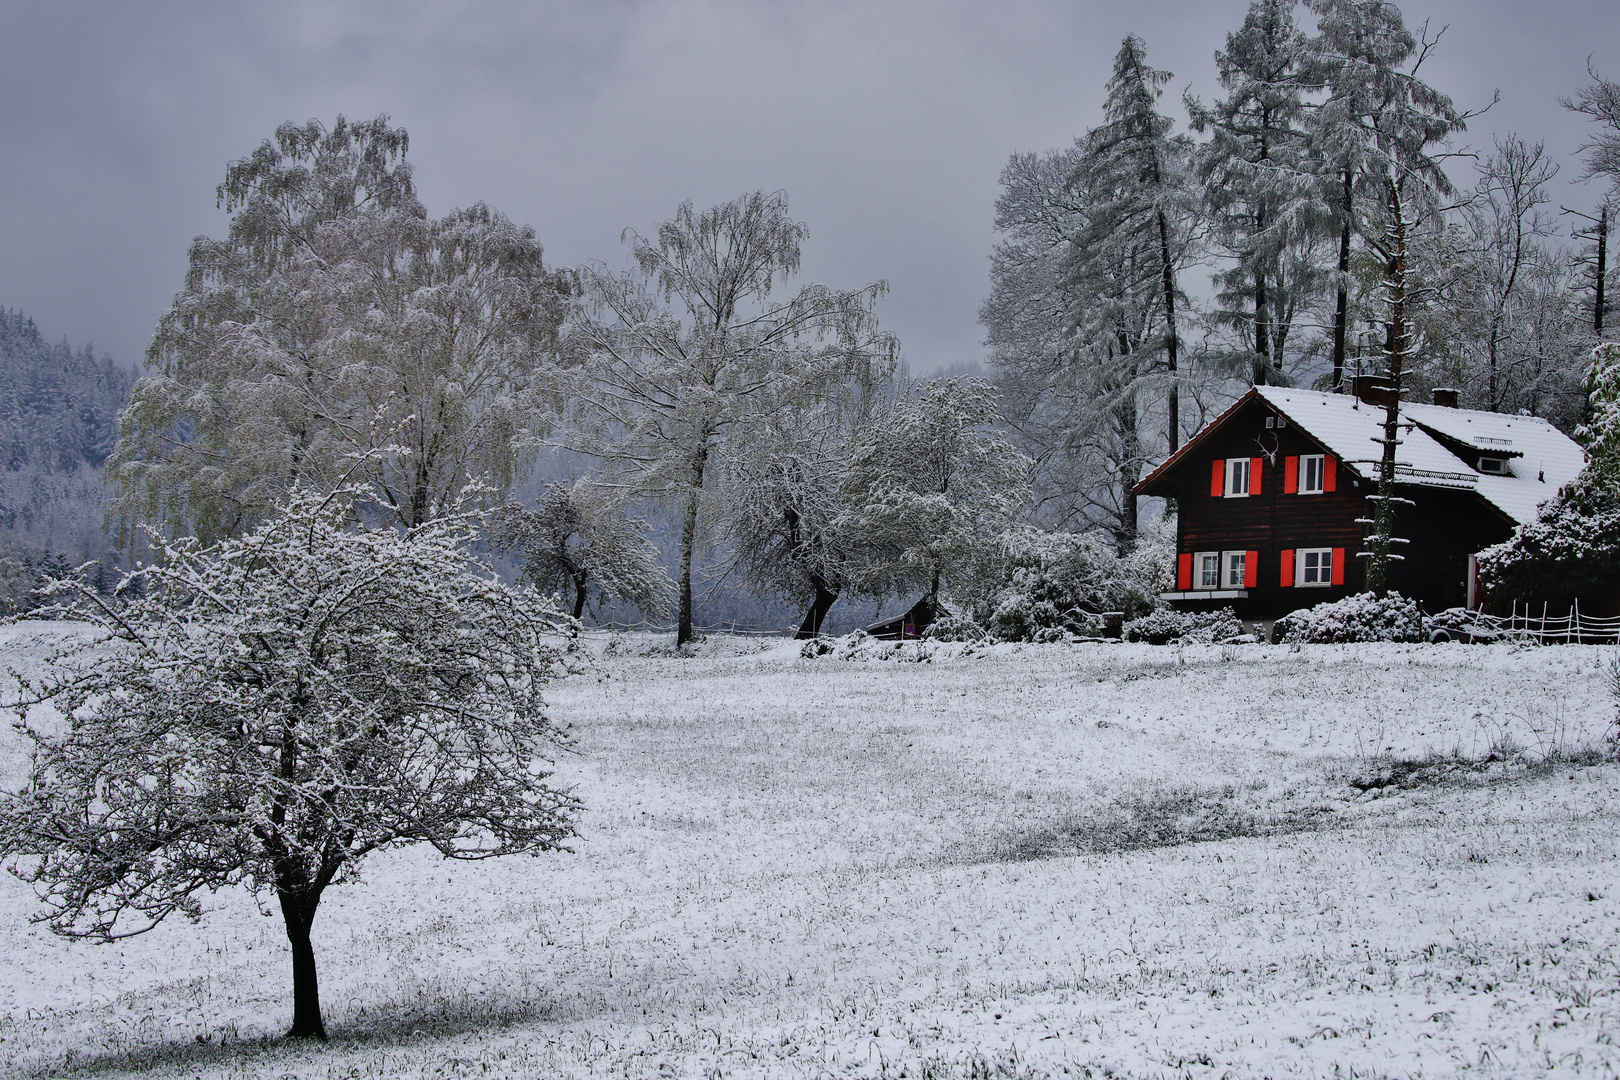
column 1025, row 860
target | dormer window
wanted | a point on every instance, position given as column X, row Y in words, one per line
column 1494, row 465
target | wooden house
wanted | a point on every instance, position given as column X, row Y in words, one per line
column 1271, row 507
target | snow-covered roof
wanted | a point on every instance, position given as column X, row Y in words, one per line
column 1541, row 459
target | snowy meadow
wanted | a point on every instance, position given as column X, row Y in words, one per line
column 946, row 860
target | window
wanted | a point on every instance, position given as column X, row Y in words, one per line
column 1315, row 566
column 1207, row 570
column 1237, row 477
column 1235, row 567
column 1495, row 465
column 1312, row 473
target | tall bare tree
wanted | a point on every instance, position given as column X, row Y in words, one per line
column 691, row 351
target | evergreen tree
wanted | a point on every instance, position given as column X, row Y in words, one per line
column 1135, row 238
column 1265, row 211
column 1376, row 132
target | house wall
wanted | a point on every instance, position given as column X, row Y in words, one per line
column 1444, row 526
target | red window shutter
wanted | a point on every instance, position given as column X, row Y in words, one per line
column 1290, row 475
column 1251, row 568
column 1254, row 474
column 1217, row 478
column 1330, row 477
column 1184, row 572
column 1338, row 558
column 1288, row 565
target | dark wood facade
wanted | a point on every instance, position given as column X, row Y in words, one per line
column 1269, row 524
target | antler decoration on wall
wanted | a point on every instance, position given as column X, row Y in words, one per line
column 1271, row 452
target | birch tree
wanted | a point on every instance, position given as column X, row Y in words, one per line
column 335, row 326
column 691, row 352
column 269, row 710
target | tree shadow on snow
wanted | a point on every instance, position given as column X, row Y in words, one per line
column 371, row 1029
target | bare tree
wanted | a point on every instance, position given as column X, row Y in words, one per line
column 783, row 522
column 690, row 352
column 576, row 539
column 273, row 708
column 933, row 486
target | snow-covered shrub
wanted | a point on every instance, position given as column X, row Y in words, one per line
column 1362, row 617
column 1046, row 585
column 1167, row 625
column 954, row 628
column 1572, row 549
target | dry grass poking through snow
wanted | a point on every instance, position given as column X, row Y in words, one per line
column 1029, row 861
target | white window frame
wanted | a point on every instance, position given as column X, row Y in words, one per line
column 1305, row 470
column 1237, row 468
column 1300, row 555
column 1234, row 560
column 1500, row 463
column 1198, row 581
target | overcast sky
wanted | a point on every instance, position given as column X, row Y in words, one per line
column 886, row 123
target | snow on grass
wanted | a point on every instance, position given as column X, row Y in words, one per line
column 950, row 860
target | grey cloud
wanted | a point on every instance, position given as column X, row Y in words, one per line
column 887, row 123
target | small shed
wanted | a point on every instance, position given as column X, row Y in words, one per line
column 917, row 619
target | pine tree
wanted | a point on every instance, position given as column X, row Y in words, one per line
column 1122, row 267
column 1265, row 210
column 1375, row 132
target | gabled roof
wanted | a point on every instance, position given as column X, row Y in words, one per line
column 1541, row 458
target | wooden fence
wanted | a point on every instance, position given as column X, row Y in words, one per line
column 1546, row 628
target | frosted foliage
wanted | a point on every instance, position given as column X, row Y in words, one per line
column 1362, row 617
column 1057, row 583
column 934, row 487
column 334, row 321
column 1166, row 625
column 270, row 709
column 574, row 541
column 693, row 352
column 1601, row 434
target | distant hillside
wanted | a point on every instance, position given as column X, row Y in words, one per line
column 58, row 422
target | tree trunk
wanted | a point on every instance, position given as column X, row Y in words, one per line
column 1602, row 271
column 1262, row 335
column 1395, row 345
column 1172, row 343
column 1341, row 310
column 298, row 912
column 824, row 599
column 579, row 593
column 683, row 629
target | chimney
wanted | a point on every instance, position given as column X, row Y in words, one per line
column 1445, row 397
column 1372, row 389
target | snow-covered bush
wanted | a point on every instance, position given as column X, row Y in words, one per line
column 1571, row 549
column 954, row 628
column 1045, row 585
column 1166, row 625
column 1362, row 617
